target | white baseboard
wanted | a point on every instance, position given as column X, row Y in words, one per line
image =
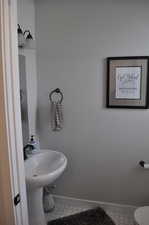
column 80, row 202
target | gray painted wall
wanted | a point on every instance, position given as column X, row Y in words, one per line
column 103, row 146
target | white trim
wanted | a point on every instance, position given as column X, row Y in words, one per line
column 12, row 107
column 80, row 202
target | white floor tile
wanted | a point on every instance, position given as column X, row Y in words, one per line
column 65, row 207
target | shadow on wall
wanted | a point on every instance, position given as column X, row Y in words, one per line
column 23, row 98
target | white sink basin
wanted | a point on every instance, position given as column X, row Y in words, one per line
column 44, row 167
column 41, row 169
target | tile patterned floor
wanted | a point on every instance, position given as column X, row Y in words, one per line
column 64, row 207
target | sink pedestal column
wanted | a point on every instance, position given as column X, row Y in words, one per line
column 35, row 207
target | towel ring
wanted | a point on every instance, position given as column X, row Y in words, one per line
column 57, row 91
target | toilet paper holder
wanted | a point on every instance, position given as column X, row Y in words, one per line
column 144, row 165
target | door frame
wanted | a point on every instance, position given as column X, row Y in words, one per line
column 12, row 115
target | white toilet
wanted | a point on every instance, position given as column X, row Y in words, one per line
column 141, row 216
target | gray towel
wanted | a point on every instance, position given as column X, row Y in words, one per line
column 56, row 116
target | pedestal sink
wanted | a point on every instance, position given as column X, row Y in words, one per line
column 41, row 169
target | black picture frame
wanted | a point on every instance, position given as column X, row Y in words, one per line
column 138, row 86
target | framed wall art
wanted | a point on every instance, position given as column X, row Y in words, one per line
column 128, row 82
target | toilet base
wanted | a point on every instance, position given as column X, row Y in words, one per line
column 141, row 216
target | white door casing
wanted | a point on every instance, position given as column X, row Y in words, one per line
column 8, row 29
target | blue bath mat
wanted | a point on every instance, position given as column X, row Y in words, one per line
column 96, row 216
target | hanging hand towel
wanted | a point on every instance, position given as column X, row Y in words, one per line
column 56, row 116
